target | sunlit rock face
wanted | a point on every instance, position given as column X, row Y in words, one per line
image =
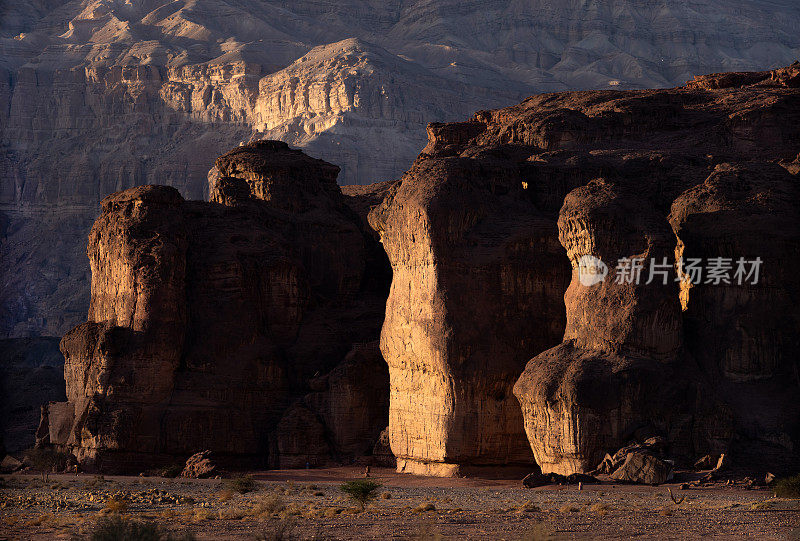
column 208, row 320
column 481, row 232
column 97, row 96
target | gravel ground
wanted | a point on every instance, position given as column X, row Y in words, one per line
column 308, row 504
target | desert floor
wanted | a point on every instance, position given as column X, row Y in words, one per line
column 307, row 504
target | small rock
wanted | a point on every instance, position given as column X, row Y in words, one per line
column 200, row 466
column 10, row 464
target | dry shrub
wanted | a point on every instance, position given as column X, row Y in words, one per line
column 427, row 532
column 270, row 504
column 423, row 507
column 600, row 509
column 234, row 513
column 202, row 514
column 788, row 487
column 116, row 504
column 332, row 511
column 278, row 530
column 242, row 484
column 119, row 528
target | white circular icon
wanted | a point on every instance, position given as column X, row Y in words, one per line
column 591, row 270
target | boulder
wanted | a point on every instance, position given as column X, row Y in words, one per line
column 200, row 466
column 301, row 439
column 382, row 451
column 643, row 467
column 353, row 401
column 9, row 464
column 706, row 462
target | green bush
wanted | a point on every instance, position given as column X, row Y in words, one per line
column 362, row 491
column 788, row 487
column 118, row 528
column 243, row 484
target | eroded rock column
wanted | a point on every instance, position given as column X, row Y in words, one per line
column 743, row 325
column 120, row 365
column 478, row 278
column 614, row 375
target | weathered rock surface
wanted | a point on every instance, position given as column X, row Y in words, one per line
column 208, row 319
column 644, row 468
column 200, row 466
column 471, row 232
column 746, row 337
column 629, row 360
column 618, row 368
column 341, row 418
column 97, row 96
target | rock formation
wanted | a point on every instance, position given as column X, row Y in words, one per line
column 208, row 319
column 476, row 268
column 97, row 96
column 746, row 337
column 471, row 231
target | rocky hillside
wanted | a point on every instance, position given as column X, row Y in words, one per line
column 100, row 95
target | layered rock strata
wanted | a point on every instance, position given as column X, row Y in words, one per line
column 208, row 319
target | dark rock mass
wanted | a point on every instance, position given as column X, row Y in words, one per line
column 208, row 320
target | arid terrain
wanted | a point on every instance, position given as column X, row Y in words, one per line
column 309, row 505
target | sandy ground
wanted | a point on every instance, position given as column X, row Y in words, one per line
column 307, row 504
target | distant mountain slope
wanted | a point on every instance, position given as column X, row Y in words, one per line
column 100, row 95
